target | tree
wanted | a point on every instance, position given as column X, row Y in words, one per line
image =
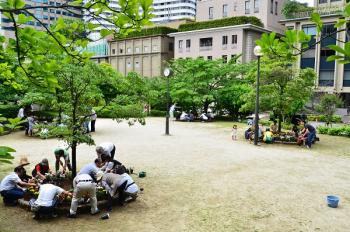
column 328, row 105
column 195, row 82
column 283, row 90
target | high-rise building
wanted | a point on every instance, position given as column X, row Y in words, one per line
column 333, row 76
column 173, row 10
column 268, row 11
column 47, row 16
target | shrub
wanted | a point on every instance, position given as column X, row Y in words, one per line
column 335, row 131
column 221, row 23
column 322, row 118
column 157, row 113
column 9, row 111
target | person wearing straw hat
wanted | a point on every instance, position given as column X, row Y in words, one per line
column 84, row 185
column 24, row 162
column 41, row 169
column 62, row 153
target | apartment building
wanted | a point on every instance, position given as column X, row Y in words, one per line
column 268, row 11
column 332, row 77
column 145, row 55
column 218, row 43
column 173, row 10
column 47, row 16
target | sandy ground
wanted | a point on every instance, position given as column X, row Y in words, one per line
column 200, row 180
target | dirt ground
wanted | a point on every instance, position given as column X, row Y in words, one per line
column 200, row 180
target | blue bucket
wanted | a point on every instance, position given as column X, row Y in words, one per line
column 332, row 201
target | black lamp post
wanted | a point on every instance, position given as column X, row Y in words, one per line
column 167, row 74
column 258, row 53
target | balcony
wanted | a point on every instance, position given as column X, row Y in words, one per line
column 205, row 48
column 322, row 11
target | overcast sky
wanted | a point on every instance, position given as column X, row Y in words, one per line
column 310, row 2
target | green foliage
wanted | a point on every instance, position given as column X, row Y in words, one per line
column 335, row 131
column 5, row 154
column 9, row 111
column 14, row 123
column 151, row 31
column 157, row 113
column 323, row 118
column 328, row 105
column 290, row 7
column 221, row 23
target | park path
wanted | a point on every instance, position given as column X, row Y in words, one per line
column 200, row 180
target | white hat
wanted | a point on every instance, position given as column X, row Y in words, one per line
column 99, row 175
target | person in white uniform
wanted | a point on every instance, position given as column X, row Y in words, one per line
column 105, row 148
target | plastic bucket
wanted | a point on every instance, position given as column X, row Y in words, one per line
column 332, row 201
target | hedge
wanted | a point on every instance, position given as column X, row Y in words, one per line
column 322, row 118
column 9, row 111
column 221, row 23
column 336, row 131
column 149, row 32
column 157, row 113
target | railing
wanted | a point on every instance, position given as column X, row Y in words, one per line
column 324, row 11
column 205, row 48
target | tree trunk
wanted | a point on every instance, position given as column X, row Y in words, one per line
column 74, row 159
column 279, row 122
column 206, row 106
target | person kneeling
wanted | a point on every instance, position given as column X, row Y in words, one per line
column 268, row 136
column 47, row 200
column 120, row 187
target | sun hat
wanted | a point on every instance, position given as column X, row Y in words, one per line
column 23, row 161
column 45, row 162
column 99, row 175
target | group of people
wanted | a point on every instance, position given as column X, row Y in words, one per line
column 105, row 172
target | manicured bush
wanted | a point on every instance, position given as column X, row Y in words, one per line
column 335, row 131
column 9, row 111
column 157, row 113
column 322, row 118
column 149, row 32
column 221, row 23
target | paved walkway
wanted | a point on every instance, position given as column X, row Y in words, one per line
column 200, row 180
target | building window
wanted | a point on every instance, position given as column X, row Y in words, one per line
column 113, row 51
column 322, row 1
column 224, row 58
column 276, row 7
column 326, row 70
column 155, row 48
column 121, row 51
column 224, row 40
column 234, row 39
column 206, row 42
column 128, row 50
column 271, row 7
column 209, row 57
column 247, row 7
column 180, row 44
column 128, row 63
column 171, row 47
column 188, row 43
column 235, row 6
column 256, row 6
column 145, row 48
column 234, row 58
column 137, row 64
column 224, row 10
column 137, row 49
column 211, row 12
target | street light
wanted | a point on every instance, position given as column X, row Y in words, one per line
column 167, row 74
column 257, row 53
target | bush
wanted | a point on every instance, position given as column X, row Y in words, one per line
column 157, row 113
column 322, row 118
column 335, row 131
column 9, row 111
column 46, row 115
column 221, row 23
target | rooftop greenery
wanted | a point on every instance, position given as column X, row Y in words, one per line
column 221, row 23
column 151, row 31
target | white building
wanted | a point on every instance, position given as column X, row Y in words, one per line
column 172, row 10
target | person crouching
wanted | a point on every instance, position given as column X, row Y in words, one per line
column 46, row 203
column 83, row 185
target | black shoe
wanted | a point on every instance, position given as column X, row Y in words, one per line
column 71, row 215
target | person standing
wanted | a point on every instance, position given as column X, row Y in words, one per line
column 172, row 110
column 62, row 153
column 84, row 185
column 31, row 121
column 9, row 189
column 234, row 132
column 47, row 200
column 105, row 148
column 93, row 118
column 20, row 113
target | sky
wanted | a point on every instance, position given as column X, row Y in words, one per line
column 309, row 2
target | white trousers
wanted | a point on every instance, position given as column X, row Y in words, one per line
column 83, row 189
